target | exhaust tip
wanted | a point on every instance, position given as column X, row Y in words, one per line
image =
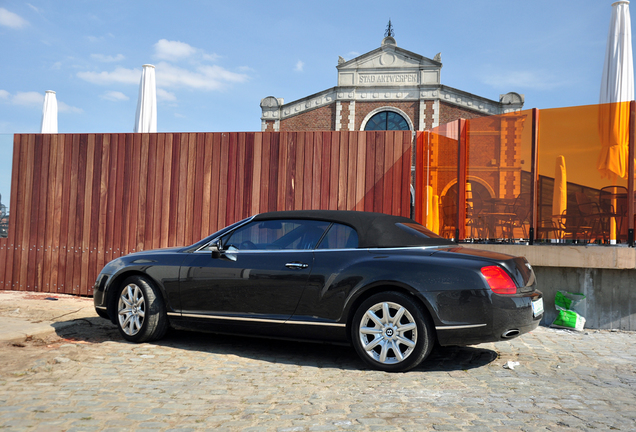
column 509, row 334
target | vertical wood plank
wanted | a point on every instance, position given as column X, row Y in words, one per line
column 199, row 179
column 272, row 199
column 265, row 172
column 308, row 170
column 379, row 172
column 334, row 169
column 281, row 186
column 361, row 170
column 223, row 179
column 208, row 140
column 387, row 174
column 256, row 173
column 291, row 144
column 188, row 209
column 352, row 173
column 168, row 190
column 22, row 208
column 79, row 221
column 249, row 175
column 87, row 194
column 369, row 166
column 142, row 190
column 215, row 182
column 239, row 180
column 103, row 201
column 180, row 209
column 151, row 214
column 325, row 175
column 134, row 186
column 49, row 212
column 11, row 250
column 93, row 211
column 343, row 166
column 300, row 171
column 39, row 211
column 405, row 207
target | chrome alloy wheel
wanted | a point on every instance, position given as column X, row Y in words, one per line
column 131, row 309
column 388, row 333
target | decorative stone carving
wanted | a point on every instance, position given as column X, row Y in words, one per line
column 511, row 98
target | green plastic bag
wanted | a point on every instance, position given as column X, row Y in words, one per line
column 569, row 320
column 567, row 316
column 567, row 301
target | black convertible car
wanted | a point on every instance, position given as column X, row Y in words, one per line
column 383, row 283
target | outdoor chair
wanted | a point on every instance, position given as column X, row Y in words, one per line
column 521, row 210
column 594, row 216
column 613, row 201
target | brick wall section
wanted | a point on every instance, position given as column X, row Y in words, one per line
column 344, row 122
column 319, row 119
column 269, row 126
column 428, row 112
column 410, row 108
column 449, row 113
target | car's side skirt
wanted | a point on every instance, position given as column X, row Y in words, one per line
column 458, row 327
column 264, row 320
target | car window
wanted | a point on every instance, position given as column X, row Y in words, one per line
column 277, row 235
column 417, row 230
column 339, row 237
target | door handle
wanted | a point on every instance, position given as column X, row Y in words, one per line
column 296, row 265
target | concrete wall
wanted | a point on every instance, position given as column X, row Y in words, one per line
column 605, row 275
column 610, row 294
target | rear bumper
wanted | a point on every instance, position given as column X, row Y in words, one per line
column 509, row 317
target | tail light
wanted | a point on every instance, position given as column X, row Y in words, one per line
column 498, row 280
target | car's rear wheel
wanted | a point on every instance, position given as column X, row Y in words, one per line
column 141, row 314
column 391, row 332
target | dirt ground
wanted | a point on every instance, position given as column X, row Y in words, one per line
column 37, row 351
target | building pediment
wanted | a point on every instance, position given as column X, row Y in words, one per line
column 390, row 66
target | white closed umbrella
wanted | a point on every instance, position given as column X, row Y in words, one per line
column 617, row 85
column 49, row 113
column 146, row 116
column 617, row 89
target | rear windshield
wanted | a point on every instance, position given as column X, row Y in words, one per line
column 417, row 230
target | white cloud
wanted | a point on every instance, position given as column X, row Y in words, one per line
column 108, row 59
column 164, row 95
column 28, row 99
column 114, row 96
column 36, row 100
column 299, row 66
column 62, row 107
column 119, row 75
column 535, row 80
column 202, row 78
column 9, row 19
column 173, row 50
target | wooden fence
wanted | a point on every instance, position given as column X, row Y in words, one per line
column 81, row 200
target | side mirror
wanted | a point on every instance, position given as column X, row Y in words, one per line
column 215, row 248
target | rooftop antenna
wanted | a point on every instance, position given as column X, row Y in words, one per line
column 389, row 32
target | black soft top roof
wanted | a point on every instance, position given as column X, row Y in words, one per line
column 374, row 229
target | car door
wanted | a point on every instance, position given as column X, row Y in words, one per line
column 259, row 276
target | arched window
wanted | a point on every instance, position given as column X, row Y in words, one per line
column 387, row 120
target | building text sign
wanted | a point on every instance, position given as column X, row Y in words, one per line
column 396, row 78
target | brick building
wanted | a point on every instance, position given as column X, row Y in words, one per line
column 388, row 87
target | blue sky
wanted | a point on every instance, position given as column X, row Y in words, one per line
column 215, row 61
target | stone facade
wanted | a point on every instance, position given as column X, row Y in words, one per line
column 388, row 78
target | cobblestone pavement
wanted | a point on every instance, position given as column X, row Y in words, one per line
column 88, row 379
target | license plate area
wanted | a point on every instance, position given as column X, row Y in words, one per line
column 537, row 307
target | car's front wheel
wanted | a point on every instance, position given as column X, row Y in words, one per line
column 141, row 313
column 391, row 332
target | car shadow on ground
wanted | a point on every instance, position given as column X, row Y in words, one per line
column 321, row 355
